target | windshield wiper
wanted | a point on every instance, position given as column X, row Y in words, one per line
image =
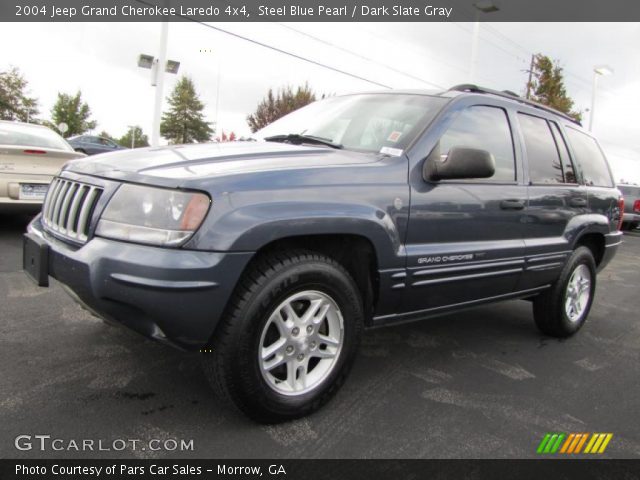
column 298, row 139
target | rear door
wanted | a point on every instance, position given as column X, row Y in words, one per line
column 555, row 198
column 603, row 197
column 464, row 241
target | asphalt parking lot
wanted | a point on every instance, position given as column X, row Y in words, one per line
column 479, row 384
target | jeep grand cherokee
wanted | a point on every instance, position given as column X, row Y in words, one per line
column 355, row 211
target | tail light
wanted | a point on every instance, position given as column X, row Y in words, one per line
column 621, row 210
column 35, row 152
column 636, row 206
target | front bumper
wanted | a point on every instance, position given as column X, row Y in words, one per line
column 172, row 295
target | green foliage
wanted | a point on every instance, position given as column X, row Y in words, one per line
column 15, row 104
column 272, row 107
column 139, row 137
column 71, row 110
column 184, row 122
column 105, row 134
column 548, row 88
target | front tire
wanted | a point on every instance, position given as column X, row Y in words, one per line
column 562, row 310
column 288, row 338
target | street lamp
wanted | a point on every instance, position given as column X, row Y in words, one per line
column 597, row 71
column 157, row 78
column 481, row 6
column 133, row 135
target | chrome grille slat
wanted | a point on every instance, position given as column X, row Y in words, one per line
column 64, row 207
column 73, row 209
column 51, row 199
column 68, row 208
column 56, row 207
column 83, row 218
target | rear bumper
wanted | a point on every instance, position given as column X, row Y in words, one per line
column 612, row 242
column 8, row 205
column 171, row 295
column 631, row 218
column 10, row 201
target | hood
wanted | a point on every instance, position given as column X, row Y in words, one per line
column 215, row 159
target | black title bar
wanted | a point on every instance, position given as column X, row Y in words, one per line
column 583, row 469
column 319, row 10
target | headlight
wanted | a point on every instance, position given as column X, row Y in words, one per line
column 155, row 216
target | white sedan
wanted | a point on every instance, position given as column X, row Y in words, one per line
column 30, row 155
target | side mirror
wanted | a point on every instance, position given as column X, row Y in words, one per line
column 462, row 162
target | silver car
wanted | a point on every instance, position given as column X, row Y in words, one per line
column 29, row 157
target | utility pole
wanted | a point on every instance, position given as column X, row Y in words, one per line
column 530, row 77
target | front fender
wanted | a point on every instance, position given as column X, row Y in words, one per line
column 253, row 226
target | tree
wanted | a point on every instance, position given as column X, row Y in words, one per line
column 105, row 134
column 227, row 138
column 70, row 109
column 15, row 103
column 272, row 107
column 135, row 133
column 547, row 86
column 184, row 122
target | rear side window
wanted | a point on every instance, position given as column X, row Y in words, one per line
column 485, row 128
column 565, row 158
column 542, row 152
column 590, row 158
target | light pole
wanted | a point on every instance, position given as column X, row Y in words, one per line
column 482, row 6
column 159, row 83
column 597, row 71
column 133, row 136
column 158, row 66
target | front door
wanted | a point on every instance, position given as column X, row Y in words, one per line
column 464, row 241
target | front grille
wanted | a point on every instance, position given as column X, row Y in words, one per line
column 68, row 208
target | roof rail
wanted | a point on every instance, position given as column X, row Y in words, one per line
column 469, row 87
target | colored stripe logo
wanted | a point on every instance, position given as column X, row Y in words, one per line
column 574, row 443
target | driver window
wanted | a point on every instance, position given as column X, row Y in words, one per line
column 485, row 128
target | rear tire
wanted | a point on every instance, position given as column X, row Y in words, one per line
column 272, row 361
column 561, row 310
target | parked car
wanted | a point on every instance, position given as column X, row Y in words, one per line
column 92, row 145
column 270, row 257
column 30, row 155
column 631, row 219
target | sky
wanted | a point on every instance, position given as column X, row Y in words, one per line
column 233, row 75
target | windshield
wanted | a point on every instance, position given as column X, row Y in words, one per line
column 31, row 136
column 381, row 122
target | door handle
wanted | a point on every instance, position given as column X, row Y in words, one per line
column 512, row 204
column 578, row 202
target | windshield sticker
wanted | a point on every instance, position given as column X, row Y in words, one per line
column 395, row 152
column 394, row 136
